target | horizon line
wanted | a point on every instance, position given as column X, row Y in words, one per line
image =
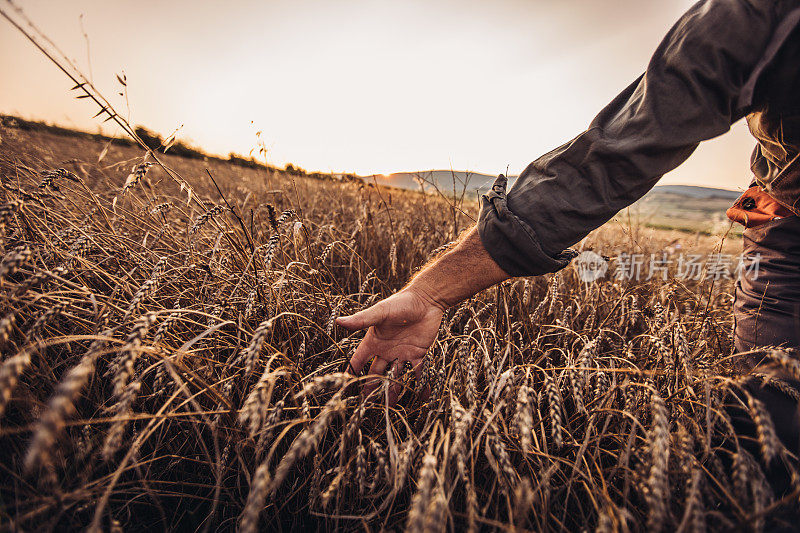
column 57, row 124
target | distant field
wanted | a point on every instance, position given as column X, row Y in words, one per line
column 669, row 207
column 680, row 207
column 669, row 210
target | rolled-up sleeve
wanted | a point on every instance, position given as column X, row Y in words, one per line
column 699, row 81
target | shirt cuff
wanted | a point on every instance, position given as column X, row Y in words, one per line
column 510, row 241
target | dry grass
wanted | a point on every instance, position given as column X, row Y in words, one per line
column 168, row 367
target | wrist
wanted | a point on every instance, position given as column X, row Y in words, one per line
column 429, row 293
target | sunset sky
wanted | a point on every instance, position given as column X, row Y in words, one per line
column 369, row 86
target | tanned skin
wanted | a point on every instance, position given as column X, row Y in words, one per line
column 403, row 326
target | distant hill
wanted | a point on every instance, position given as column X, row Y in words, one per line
column 443, row 179
column 696, row 192
column 476, row 181
column 684, row 207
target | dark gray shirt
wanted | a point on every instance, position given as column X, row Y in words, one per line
column 713, row 68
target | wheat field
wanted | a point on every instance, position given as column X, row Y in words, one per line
column 170, row 361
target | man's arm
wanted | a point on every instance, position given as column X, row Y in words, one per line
column 699, row 81
column 403, row 326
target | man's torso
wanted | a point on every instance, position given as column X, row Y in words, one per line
column 775, row 123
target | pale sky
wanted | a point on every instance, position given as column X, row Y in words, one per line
column 370, row 86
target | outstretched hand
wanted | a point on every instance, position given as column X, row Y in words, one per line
column 401, row 328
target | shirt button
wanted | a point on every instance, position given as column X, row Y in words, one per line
column 748, row 203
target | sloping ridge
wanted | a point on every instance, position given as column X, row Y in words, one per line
column 443, row 179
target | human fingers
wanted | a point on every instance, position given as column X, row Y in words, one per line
column 370, row 316
column 417, row 365
column 377, row 368
column 365, row 351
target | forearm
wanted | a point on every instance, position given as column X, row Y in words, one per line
column 458, row 274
